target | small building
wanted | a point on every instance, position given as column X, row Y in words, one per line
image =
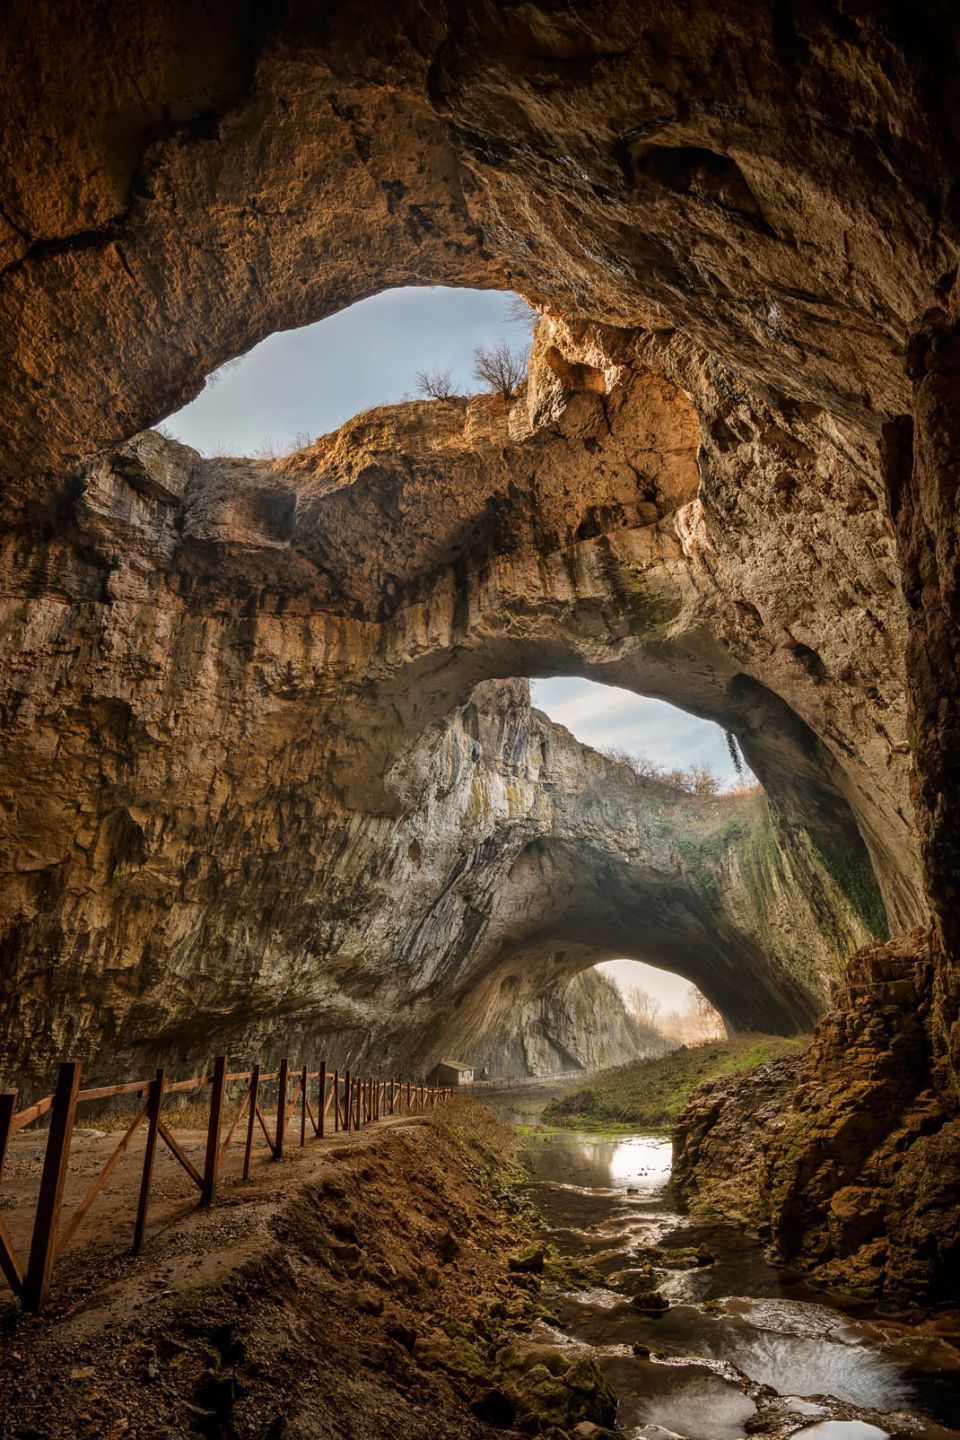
column 450, row 1072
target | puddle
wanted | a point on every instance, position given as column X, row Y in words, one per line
column 737, row 1329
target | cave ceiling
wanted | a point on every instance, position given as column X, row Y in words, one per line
column 242, row 681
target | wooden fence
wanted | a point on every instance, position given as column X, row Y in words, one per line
column 353, row 1100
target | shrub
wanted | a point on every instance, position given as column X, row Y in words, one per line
column 434, row 384
column 500, row 368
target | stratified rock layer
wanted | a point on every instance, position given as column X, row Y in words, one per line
column 742, row 222
column 845, row 1158
column 279, row 817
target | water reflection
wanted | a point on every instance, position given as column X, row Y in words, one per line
column 640, row 1162
column 737, row 1322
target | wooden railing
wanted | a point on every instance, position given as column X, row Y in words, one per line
column 354, row 1101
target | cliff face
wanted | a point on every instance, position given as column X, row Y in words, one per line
column 844, row 1158
column 238, row 776
column 581, row 1025
column 282, row 811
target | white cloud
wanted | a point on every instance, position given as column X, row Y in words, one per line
column 609, row 718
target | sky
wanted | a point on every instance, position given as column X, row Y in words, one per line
column 310, row 381
column 672, row 991
column 612, row 719
column 307, row 382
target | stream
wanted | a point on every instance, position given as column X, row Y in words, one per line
column 743, row 1343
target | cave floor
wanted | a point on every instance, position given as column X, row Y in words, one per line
column 102, row 1242
column 308, row 1302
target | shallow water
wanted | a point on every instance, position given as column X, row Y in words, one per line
column 843, row 1430
column 732, row 1326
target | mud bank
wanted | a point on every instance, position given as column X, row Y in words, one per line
column 353, row 1290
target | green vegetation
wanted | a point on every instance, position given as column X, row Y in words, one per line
column 702, row 854
column 650, row 1094
column 489, row 1150
column 761, row 864
column 856, row 879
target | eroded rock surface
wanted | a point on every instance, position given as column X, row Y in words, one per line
column 283, row 814
column 843, row 1158
column 742, row 223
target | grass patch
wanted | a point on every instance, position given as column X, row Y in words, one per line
column 489, row 1150
column 650, row 1094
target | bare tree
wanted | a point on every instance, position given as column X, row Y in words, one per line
column 215, row 376
column 641, row 765
column 696, row 1024
column 499, row 367
column 520, row 312
column 705, row 1022
column 702, row 780
column 435, row 384
column 644, row 1007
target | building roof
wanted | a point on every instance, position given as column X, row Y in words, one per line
column 454, row 1064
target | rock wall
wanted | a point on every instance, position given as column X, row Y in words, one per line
column 844, row 1158
column 742, row 223
column 278, row 818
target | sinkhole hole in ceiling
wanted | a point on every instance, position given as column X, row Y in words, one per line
column 298, row 384
column 659, row 737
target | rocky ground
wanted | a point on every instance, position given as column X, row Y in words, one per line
column 844, row 1157
column 357, row 1290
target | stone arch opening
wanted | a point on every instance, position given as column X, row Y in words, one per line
column 299, row 384
column 696, row 221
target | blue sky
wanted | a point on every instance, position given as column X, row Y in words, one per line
column 309, row 381
column 609, row 718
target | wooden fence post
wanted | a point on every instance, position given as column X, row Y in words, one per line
column 303, row 1106
column 149, row 1155
column 347, row 1103
column 251, row 1118
column 282, row 1086
column 321, row 1127
column 336, row 1101
column 9, row 1264
column 211, row 1163
column 44, row 1244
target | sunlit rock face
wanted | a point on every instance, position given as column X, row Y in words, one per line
column 223, row 682
column 580, row 1025
column 281, row 803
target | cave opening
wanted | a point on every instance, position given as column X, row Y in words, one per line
column 270, row 784
column 664, row 1006
column 403, row 343
column 657, row 738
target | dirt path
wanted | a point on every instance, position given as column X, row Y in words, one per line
column 313, row 1301
column 105, row 1235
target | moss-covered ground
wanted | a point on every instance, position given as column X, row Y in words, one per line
column 650, row 1094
